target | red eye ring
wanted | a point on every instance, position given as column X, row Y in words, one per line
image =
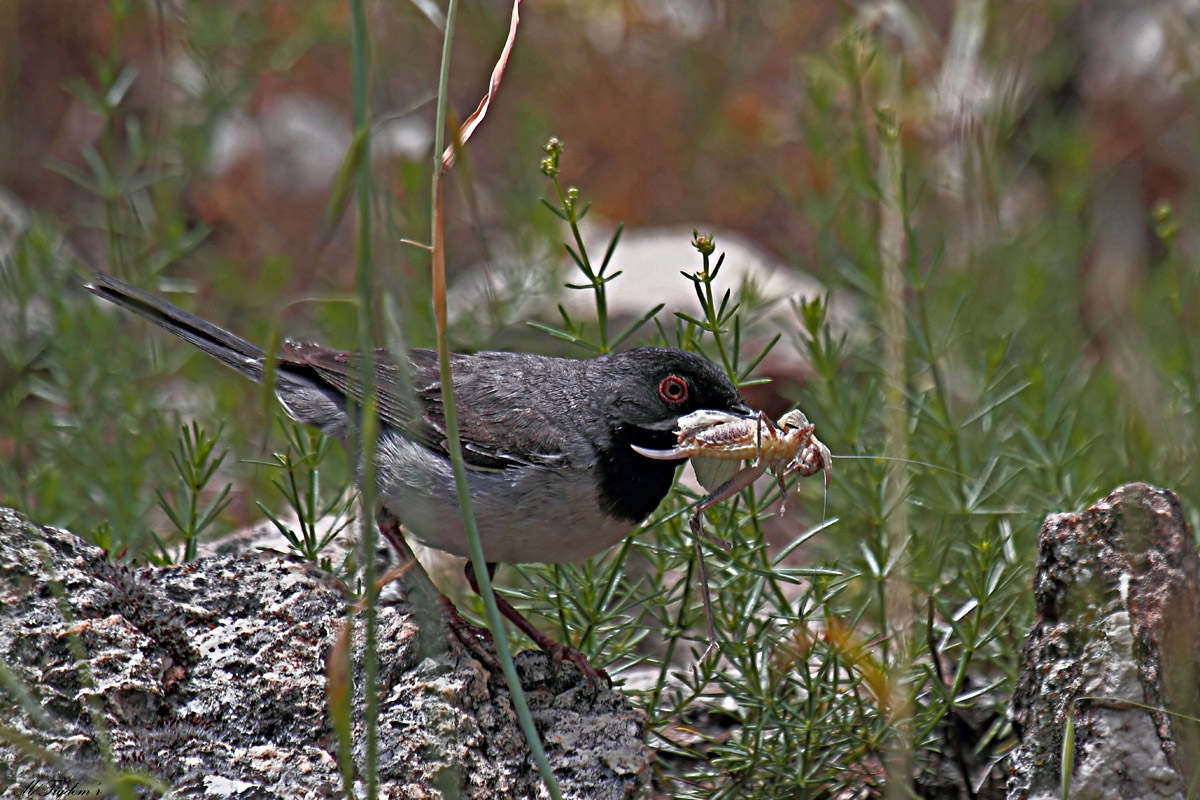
column 673, row 389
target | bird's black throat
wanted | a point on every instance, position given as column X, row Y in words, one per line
column 631, row 485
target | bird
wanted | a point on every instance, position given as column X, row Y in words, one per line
column 548, row 442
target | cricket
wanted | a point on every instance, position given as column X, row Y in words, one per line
column 718, row 441
column 782, row 448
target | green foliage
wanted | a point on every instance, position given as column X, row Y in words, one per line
column 195, row 464
column 86, row 440
column 570, row 211
column 1014, row 407
column 314, row 507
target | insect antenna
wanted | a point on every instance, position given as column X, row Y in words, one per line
column 919, row 463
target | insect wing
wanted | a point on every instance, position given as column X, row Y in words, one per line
column 714, row 472
column 704, row 419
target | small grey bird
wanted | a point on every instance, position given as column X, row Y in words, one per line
column 548, row 442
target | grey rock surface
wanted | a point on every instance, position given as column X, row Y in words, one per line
column 210, row 679
column 1115, row 649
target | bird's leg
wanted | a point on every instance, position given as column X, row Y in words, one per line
column 462, row 635
column 557, row 652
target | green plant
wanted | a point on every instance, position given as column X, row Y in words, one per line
column 861, row 631
column 195, row 464
column 320, row 514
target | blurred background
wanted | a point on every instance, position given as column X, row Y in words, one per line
column 1050, row 164
column 1042, row 214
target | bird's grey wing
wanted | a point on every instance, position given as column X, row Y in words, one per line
column 504, row 417
column 497, row 432
column 398, row 405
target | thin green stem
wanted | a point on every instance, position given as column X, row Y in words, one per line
column 109, row 73
column 360, row 77
column 570, row 204
column 898, row 609
column 478, row 559
column 713, row 314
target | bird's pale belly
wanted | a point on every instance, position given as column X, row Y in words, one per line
column 530, row 514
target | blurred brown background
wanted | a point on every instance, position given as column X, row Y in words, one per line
column 672, row 111
column 1048, row 148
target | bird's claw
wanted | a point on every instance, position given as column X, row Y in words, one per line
column 468, row 639
column 596, row 677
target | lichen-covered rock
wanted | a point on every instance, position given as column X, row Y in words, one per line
column 209, row 679
column 1115, row 649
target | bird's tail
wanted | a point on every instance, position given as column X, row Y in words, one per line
column 219, row 343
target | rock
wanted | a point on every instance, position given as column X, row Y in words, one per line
column 210, row 677
column 1114, row 647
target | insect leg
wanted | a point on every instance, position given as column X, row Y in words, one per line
column 826, row 460
column 779, row 477
column 814, row 458
column 723, row 492
column 726, row 490
column 713, row 646
column 774, row 430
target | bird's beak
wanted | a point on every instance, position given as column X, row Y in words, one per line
column 743, row 410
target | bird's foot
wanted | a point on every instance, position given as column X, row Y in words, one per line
column 468, row 638
column 597, row 678
column 463, row 638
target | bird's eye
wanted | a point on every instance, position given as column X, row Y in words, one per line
column 673, row 389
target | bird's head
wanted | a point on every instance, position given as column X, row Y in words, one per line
column 652, row 387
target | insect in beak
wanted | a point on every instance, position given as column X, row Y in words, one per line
column 783, row 448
